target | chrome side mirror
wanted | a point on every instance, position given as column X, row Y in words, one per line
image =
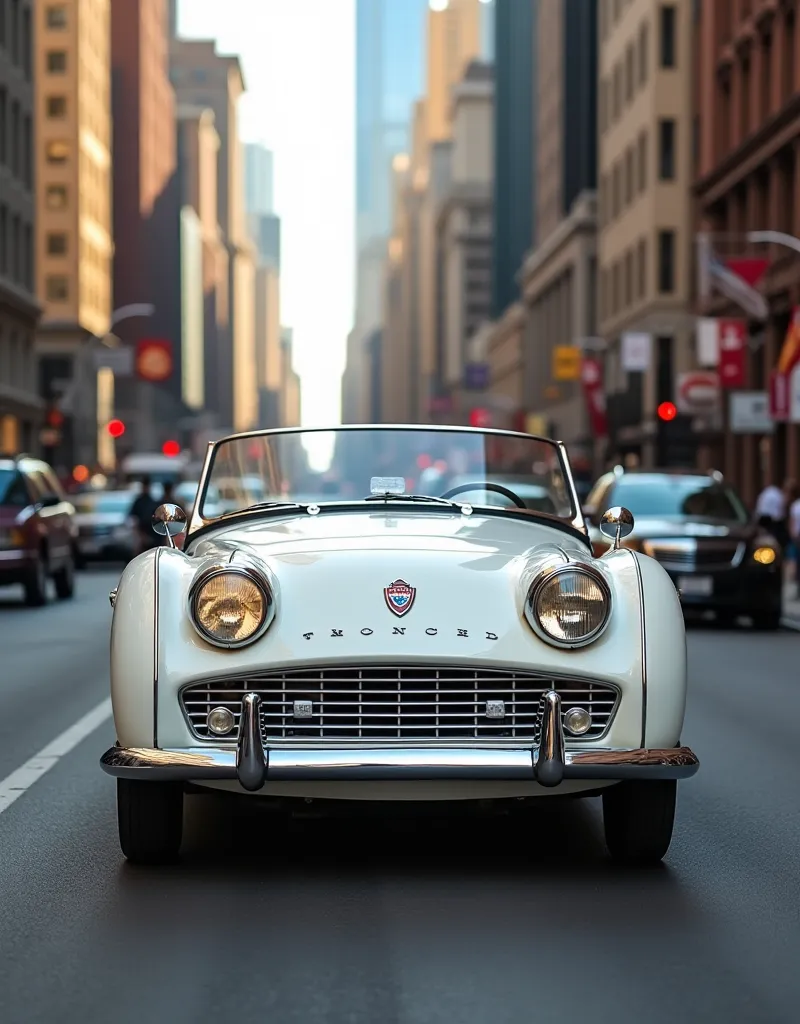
column 168, row 521
column 616, row 523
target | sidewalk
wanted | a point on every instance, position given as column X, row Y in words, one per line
column 791, row 606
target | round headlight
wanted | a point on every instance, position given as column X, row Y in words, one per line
column 570, row 606
column 230, row 608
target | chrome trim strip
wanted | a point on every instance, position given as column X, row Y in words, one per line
column 251, row 758
column 643, row 634
column 551, row 758
column 156, row 624
column 411, row 763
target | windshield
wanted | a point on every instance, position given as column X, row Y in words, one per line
column 673, row 497
column 350, row 465
column 12, row 489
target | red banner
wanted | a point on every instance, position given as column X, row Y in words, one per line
column 750, row 270
column 779, row 396
column 154, row 360
column 594, row 393
column 732, row 353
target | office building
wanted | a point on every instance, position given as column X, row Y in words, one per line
column 20, row 407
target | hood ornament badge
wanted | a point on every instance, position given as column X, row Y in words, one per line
column 399, row 597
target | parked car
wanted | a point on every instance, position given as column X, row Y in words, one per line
column 698, row 528
column 105, row 532
column 396, row 646
column 38, row 532
column 186, row 493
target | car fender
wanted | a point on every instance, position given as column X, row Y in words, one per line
column 134, row 644
column 665, row 658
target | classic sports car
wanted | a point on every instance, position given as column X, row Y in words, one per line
column 354, row 637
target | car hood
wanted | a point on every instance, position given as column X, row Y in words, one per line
column 480, row 542
column 652, row 527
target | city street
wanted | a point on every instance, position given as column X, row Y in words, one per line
column 373, row 922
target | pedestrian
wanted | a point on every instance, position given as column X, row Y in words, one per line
column 771, row 513
column 142, row 515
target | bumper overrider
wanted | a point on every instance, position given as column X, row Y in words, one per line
column 252, row 764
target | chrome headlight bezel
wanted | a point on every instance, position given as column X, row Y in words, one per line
column 255, row 576
column 546, row 578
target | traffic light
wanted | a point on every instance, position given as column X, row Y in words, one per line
column 171, row 448
column 667, row 411
column 116, row 428
column 55, row 418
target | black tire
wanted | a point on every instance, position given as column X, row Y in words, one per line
column 769, row 621
column 64, row 580
column 639, row 818
column 36, row 584
column 150, row 819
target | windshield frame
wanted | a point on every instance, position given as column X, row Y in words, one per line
column 576, row 523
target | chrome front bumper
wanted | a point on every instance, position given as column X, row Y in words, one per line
column 253, row 764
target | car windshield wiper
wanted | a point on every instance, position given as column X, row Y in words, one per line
column 432, row 499
column 267, row 505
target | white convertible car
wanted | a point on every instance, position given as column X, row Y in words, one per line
column 368, row 631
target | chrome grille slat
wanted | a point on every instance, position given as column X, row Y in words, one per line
column 397, row 704
column 697, row 554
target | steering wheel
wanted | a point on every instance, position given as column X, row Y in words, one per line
column 486, row 486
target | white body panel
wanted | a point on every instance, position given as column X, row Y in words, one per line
column 328, row 571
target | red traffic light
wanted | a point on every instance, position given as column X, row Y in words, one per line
column 171, row 448
column 667, row 411
column 116, row 428
column 55, row 418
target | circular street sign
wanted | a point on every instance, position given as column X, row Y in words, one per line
column 699, row 390
column 154, row 361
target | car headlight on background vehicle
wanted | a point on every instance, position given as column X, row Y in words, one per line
column 569, row 606
column 765, row 555
column 230, row 607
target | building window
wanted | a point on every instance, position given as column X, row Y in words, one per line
column 14, row 32
column 57, row 62
column 56, row 16
column 57, row 288
column 27, row 257
column 630, row 184
column 16, row 143
column 642, row 161
column 617, row 92
column 744, row 125
column 56, row 106
column 57, row 152
column 664, row 381
column 27, row 44
column 27, row 151
column 669, row 42
column 641, row 269
column 644, row 42
column 16, row 249
column 666, row 262
column 630, row 75
column 629, row 277
column 3, row 240
column 56, row 197
column 3, row 125
column 616, row 197
column 766, row 76
column 788, row 63
column 57, row 244
column 666, row 149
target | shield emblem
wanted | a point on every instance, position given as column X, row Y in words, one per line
column 399, row 597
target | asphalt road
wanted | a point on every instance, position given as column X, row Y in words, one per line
column 373, row 922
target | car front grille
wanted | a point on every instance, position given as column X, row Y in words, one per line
column 700, row 555
column 366, row 704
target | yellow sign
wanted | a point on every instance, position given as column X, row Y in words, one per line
column 566, row 362
column 536, row 424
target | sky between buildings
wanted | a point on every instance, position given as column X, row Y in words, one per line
column 298, row 58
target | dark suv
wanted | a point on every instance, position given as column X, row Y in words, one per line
column 700, row 531
column 37, row 529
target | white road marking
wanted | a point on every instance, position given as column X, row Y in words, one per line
column 21, row 780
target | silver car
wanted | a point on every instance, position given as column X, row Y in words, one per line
column 105, row 533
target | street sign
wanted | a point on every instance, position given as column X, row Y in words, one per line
column 595, row 396
column 154, row 360
column 636, row 351
column 566, row 362
column 119, row 360
column 732, row 349
column 476, row 376
column 779, row 396
column 698, row 393
column 749, row 413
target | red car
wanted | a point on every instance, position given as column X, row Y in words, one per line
column 38, row 532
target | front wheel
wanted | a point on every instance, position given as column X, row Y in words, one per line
column 150, row 818
column 639, row 818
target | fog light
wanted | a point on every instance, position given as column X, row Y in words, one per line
column 220, row 721
column 577, row 721
column 764, row 556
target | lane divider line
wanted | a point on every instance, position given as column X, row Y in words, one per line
column 20, row 781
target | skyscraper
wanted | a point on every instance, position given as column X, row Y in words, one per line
column 258, row 178
column 390, row 43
